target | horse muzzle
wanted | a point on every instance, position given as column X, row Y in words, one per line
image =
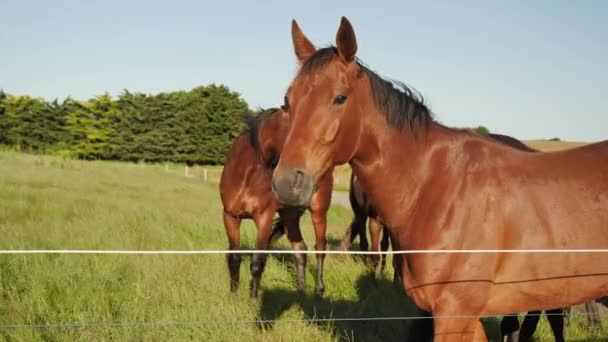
column 293, row 187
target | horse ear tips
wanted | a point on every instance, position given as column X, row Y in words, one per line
column 345, row 22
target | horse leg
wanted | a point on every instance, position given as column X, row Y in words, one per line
column 294, row 235
column 232, row 225
column 421, row 329
column 593, row 315
column 319, row 220
column 509, row 325
column 384, row 247
column 456, row 319
column 528, row 326
column 360, row 230
column 457, row 329
column 479, row 333
column 556, row 320
column 566, row 314
column 375, row 228
column 349, row 236
column 277, row 231
column 397, row 261
column 263, row 222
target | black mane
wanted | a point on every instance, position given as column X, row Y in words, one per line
column 253, row 125
column 401, row 105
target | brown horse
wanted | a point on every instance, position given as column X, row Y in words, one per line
column 363, row 209
column 439, row 188
column 245, row 192
column 510, row 323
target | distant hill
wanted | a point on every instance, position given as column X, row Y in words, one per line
column 553, row 145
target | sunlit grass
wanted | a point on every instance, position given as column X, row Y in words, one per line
column 59, row 203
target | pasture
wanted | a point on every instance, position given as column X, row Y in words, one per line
column 49, row 202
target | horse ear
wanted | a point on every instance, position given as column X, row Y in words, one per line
column 346, row 41
column 302, row 46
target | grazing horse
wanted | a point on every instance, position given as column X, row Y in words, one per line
column 439, row 188
column 245, row 192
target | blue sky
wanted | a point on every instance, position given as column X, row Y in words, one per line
column 531, row 69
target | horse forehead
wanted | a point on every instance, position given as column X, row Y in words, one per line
column 331, row 74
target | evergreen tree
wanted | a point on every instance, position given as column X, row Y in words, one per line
column 91, row 128
column 195, row 127
column 3, row 123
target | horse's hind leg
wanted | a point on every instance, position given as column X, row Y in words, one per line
column 556, row 320
column 356, row 227
column 384, row 247
column 509, row 324
column 375, row 228
column 528, row 326
column 232, row 226
column 397, row 261
column 593, row 315
column 319, row 220
column 258, row 260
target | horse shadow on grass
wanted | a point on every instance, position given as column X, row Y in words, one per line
column 378, row 298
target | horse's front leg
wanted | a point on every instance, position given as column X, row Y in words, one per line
column 319, row 220
column 263, row 222
column 291, row 219
column 232, row 226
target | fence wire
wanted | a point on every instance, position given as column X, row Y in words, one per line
column 78, row 325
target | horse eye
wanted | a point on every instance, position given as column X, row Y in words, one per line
column 340, row 99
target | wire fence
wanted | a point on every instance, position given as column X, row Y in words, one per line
column 77, row 325
column 280, row 251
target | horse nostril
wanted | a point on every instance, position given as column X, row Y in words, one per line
column 299, row 178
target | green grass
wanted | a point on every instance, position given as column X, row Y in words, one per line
column 56, row 203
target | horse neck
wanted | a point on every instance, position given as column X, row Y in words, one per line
column 272, row 136
column 387, row 159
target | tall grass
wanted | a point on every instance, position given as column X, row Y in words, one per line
column 59, row 203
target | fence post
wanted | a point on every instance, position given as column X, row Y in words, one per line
column 186, row 172
column 205, row 174
column 166, row 167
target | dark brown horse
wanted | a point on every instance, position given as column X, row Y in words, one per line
column 362, row 210
column 245, row 192
column 439, row 188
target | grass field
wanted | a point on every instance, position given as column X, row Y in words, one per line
column 54, row 203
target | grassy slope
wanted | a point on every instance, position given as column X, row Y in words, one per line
column 49, row 202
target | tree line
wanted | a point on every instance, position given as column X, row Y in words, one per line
column 193, row 127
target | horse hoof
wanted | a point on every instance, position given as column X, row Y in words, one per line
column 319, row 291
column 253, row 290
column 234, row 287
